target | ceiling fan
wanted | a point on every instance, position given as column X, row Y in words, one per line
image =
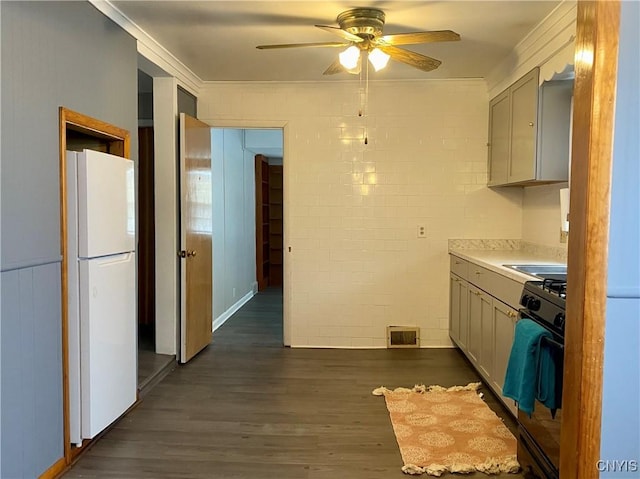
column 361, row 31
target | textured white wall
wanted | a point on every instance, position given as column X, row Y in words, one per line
column 541, row 214
column 352, row 210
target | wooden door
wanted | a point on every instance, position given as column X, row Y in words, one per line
column 196, row 284
column 146, row 234
column 262, row 221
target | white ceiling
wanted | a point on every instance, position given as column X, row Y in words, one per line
column 217, row 39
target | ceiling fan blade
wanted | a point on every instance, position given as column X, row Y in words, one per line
column 420, row 37
column 416, row 60
column 341, row 33
column 296, row 45
column 335, row 67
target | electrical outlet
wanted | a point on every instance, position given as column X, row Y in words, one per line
column 422, row 231
column 564, row 236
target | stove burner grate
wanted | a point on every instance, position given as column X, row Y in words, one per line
column 555, row 286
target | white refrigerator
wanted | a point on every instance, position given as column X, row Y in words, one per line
column 102, row 290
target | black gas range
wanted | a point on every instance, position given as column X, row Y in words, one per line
column 545, row 301
column 539, row 434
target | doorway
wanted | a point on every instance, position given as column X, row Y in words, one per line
column 150, row 363
column 246, row 235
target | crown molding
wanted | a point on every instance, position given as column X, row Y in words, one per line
column 550, row 37
column 150, row 48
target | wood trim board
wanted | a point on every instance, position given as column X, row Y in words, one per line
column 117, row 142
column 591, row 169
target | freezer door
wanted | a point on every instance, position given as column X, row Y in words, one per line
column 108, row 340
column 106, row 204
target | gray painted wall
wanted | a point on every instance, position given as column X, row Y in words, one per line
column 187, row 103
column 621, row 389
column 53, row 54
column 233, row 198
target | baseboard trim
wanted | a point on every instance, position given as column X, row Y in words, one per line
column 321, row 346
column 220, row 320
column 148, row 383
column 55, row 470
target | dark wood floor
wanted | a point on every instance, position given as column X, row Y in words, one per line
column 150, row 364
column 246, row 407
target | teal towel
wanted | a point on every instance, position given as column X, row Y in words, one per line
column 522, row 379
column 547, row 392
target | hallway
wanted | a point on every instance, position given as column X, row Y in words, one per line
column 246, row 407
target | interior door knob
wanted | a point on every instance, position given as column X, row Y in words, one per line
column 191, row 253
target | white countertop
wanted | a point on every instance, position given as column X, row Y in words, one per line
column 495, row 259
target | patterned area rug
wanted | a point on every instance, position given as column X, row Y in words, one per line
column 449, row 429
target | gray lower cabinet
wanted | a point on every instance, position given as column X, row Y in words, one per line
column 475, row 324
column 459, row 311
column 482, row 325
column 487, row 343
column 504, row 321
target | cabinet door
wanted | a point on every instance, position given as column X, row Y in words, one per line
column 499, row 134
column 454, row 308
column 458, row 311
column 486, row 335
column 463, row 295
column 475, row 324
column 504, row 320
column 524, row 126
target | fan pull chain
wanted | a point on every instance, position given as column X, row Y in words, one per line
column 366, row 100
column 360, row 95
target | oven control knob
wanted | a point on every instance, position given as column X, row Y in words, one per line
column 525, row 299
column 533, row 304
column 558, row 321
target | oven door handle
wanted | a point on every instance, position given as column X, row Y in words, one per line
column 552, row 342
column 526, row 314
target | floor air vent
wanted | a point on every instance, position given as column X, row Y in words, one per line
column 403, row 337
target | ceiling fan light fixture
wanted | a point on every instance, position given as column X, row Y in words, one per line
column 378, row 59
column 350, row 57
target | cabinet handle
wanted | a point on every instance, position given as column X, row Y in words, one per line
column 477, row 293
column 511, row 314
column 530, row 123
column 455, row 279
column 478, row 272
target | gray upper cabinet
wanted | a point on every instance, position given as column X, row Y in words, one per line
column 529, row 132
column 499, row 119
